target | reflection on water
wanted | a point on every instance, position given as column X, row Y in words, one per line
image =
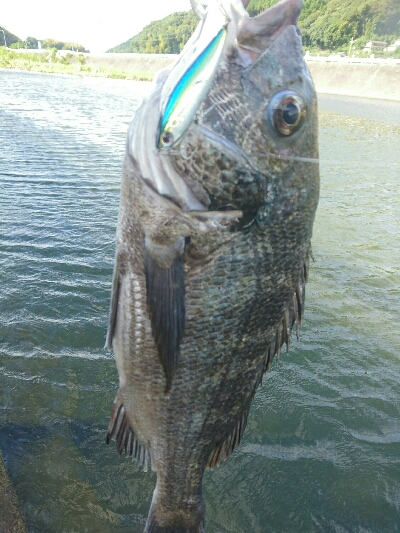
column 321, row 451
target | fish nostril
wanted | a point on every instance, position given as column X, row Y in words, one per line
column 232, row 53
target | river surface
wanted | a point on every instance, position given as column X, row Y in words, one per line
column 322, row 448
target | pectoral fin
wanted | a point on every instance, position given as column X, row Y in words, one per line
column 165, row 284
column 114, row 303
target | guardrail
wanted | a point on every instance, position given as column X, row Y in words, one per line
column 341, row 59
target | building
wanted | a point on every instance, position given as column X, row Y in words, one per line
column 393, row 47
column 375, row 45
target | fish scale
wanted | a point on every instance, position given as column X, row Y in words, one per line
column 213, row 246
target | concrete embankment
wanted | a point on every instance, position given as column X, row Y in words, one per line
column 149, row 63
column 378, row 79
column 370, row 78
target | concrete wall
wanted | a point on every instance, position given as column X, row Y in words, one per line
column 371, row 78
column 149, row 63
column 378, row 79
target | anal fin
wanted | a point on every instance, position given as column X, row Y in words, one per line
column 120, row 429
column 165, row 287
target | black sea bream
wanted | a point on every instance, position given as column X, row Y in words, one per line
column 218, row 197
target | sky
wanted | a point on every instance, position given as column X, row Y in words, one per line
column 97, row 25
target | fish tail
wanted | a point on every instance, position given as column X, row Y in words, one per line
column 188, row 517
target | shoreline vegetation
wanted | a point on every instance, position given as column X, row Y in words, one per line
column 70, row 63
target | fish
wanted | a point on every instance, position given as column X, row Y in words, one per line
column 213, row 247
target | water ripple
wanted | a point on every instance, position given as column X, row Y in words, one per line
column 322, row 446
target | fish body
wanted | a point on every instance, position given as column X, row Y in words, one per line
column 212, row 253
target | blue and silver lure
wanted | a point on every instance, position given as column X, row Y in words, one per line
column 188, row 83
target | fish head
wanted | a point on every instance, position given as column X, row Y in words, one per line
column 263, row 99
column 250, row 135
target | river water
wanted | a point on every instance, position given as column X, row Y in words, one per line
column 322, row 448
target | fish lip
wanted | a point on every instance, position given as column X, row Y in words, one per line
column 271, row 22
column 257, row 34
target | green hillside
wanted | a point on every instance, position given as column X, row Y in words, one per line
column 165, row 36
column 331, row 24
column 10, row 38
column 325, row 25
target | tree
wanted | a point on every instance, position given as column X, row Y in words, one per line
column 325, row 24
column 166, row 36
column 18, row 44
column 7, row 37
column 31, row 43
column 52, row 43
column 74, row 47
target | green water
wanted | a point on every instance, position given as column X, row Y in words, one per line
column 322, row 448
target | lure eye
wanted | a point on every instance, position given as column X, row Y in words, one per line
column 166, row 138
column 286, row 112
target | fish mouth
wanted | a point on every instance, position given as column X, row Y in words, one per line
column 252, row 35
column 256, row 33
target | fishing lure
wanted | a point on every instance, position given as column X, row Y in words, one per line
column 188, row 83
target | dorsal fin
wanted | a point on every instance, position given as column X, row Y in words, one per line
column 224, row 448
column 293, row 315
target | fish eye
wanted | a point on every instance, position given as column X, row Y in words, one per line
column 166, row 138
column 286, row 112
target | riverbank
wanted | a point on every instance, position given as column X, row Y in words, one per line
column 368, row 78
